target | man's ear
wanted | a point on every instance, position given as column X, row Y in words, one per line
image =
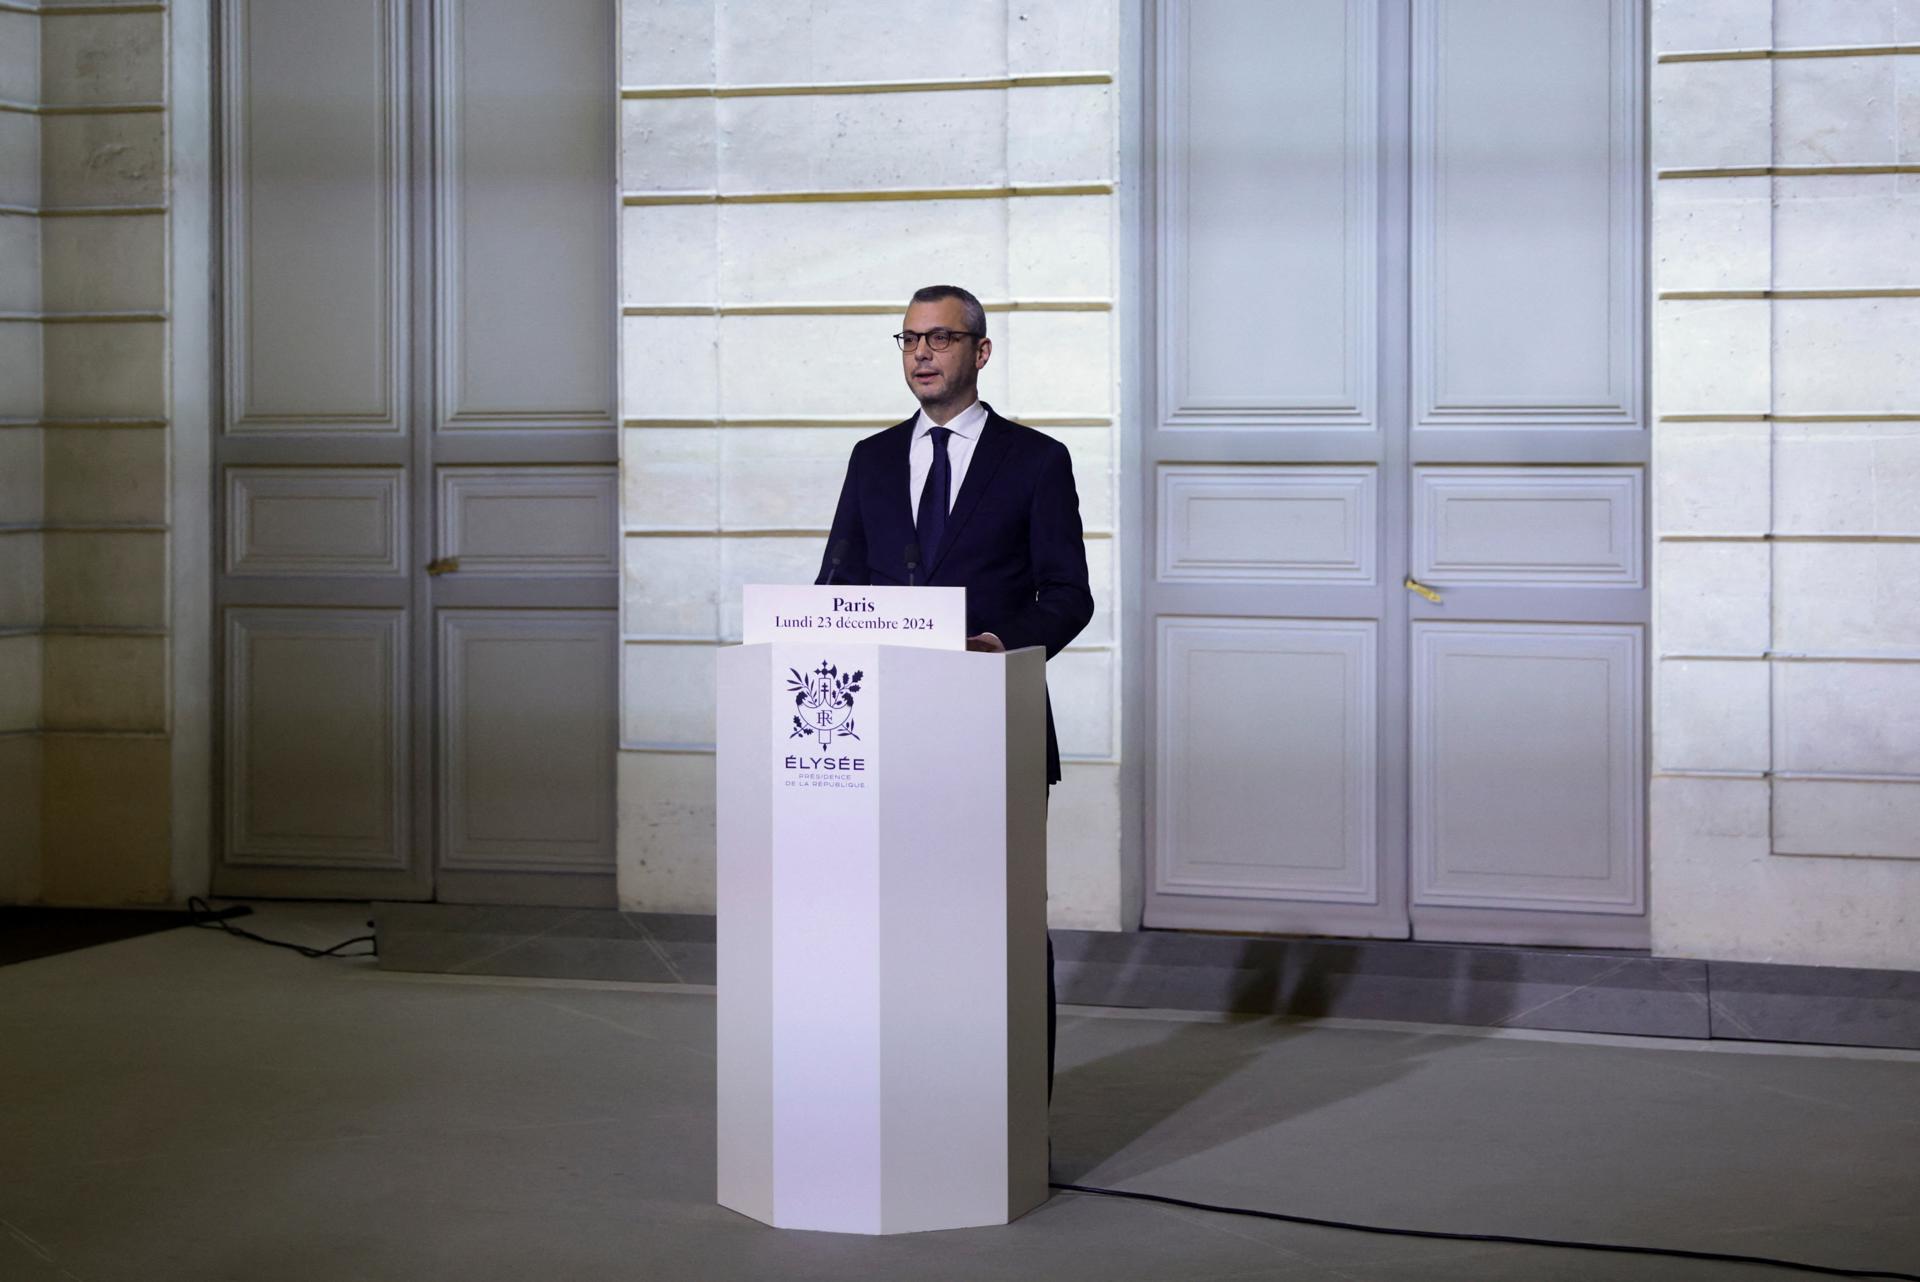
column 982, row 350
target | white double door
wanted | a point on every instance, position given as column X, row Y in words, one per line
column 417, row 572
column 1399, row 276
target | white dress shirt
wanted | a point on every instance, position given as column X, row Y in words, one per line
column 966, row 426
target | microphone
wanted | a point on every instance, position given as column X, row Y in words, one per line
column 913, row 564
column 835, row 555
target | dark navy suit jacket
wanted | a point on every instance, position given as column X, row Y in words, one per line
column 1013, row 539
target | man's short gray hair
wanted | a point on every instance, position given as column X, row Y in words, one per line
column 971, row 311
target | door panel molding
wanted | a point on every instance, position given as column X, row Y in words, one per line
column 315, row 252
column 316, row 722
column 1236, row 361
column 1527, row 283
column 1528, row 767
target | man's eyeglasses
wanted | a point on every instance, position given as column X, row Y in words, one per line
column 937, row 339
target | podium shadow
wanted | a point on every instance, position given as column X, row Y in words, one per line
column 1171, row 1091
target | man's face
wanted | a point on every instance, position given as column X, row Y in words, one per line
column 943, row 381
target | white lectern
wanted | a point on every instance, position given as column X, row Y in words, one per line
column 882, row 1013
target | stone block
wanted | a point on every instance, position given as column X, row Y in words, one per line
column 670, row 478
column 857, row 142
column 863, row 251
column 1085, row 875
column 1093, row 473
column 22, row 359
column 1101, row 574
column 1080, row 685
column 22, row 451
column 106, row 683
column 1712, row 233
column 105, row 264
column 1835, row 111
column 666, row 42
column 19, row 56
column 22, row 578
column 670, row 587
column 19, row 159
column 1845, row 232
column 1062, row 363
column 1846, row 356
column 106, row 370
column 20, row 240
column 764, row 559
column 1847, row 718
column 669, row 255
column 1846, row 598
column 669, row 367
column 106, row 580
column 783, row 477
column 1062, row 35
column 1712, row 114
column 1060, row 247
column 1711, row 598
column 1837, row 817
column 1711, row 358
column 20, row 787
column 1803, row 24
column 1703, row 835
column 1061, row 134
column 1710, row 715
column 1682, row 25
column 667, row 144
column 103, row 160
column 99, row 58
column 828, row 41
column 1847, row 478
column 668, row 695
column 20, row 699
column 1718, row 892
column 1712, row 478
column 835, row 366
column 666, row 843
column 106, row 816
column 102, row 475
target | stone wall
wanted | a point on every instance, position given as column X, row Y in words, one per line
column 84, row 622
column 1786, row 249
column 790, row 174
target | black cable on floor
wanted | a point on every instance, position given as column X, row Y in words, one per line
column 207, row 918
column 1674, row 1252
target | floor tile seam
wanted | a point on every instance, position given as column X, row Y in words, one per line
column 1535, row 1009
column 447, row 979
column 650, row 1038
column 1629, row 1041
column 265, row 1145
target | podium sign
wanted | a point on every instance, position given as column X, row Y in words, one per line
column 932, row 617
column 882, row 883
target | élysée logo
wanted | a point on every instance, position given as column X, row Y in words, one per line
column 823, row 703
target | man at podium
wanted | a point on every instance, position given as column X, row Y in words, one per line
column 957, row 496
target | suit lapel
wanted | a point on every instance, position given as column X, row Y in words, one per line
column 896, row 478
column 988, row 452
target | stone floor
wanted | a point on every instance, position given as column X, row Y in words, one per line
column 190, row 1106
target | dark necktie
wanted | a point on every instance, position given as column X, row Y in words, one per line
column 936, row 496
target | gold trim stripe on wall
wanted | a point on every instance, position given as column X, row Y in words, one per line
column 869, row 194
column 1785, row 171
column 1748, row 295
column 83, row 109
column 1893, row 416
column 855, row 420
column 854, row 309
column 1810, row 51
column 1035, row 80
